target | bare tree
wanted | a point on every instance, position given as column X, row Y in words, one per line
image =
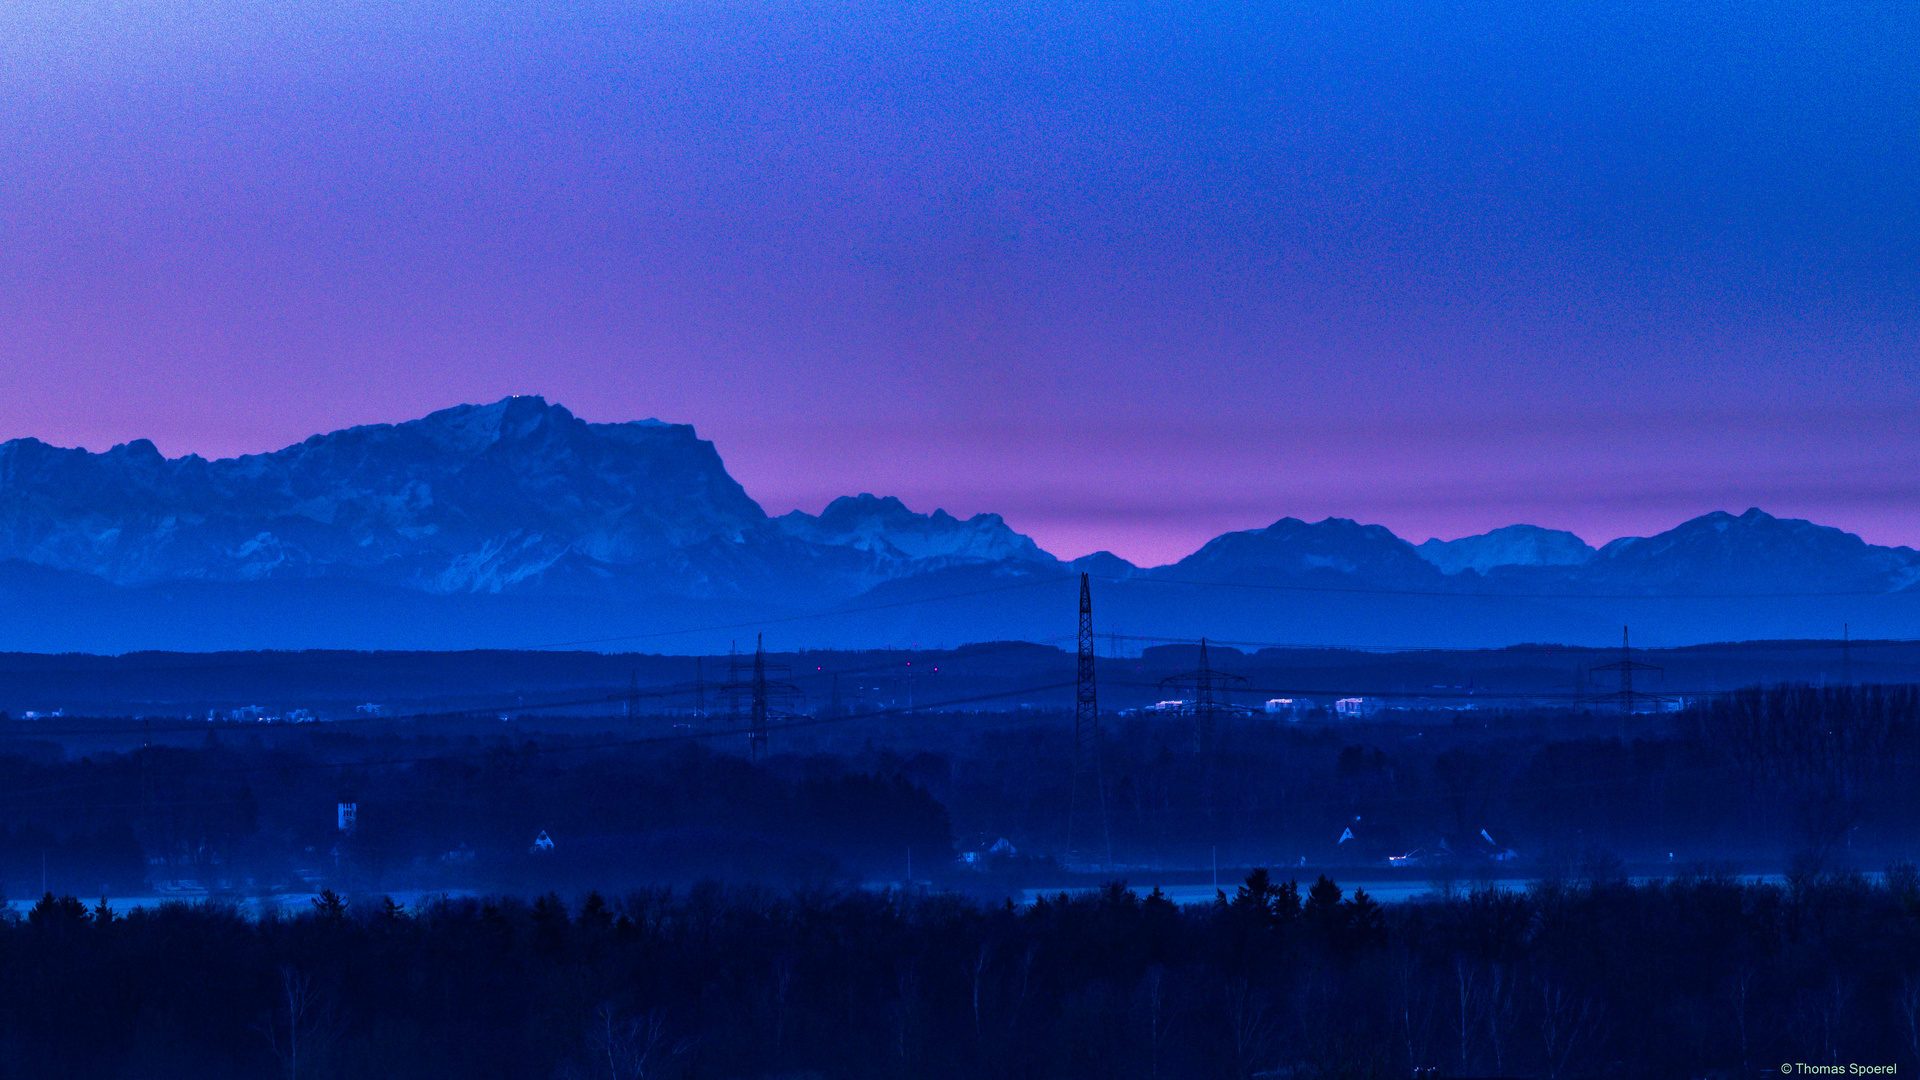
column 1740, row 994
column 906, row 1009
column 1250, row 1025
column 304, row 1019
column 633, row 1049
column 1026, row 974
column 1153, row 994
column 1416, row 1007
column 1501, row 1011
column 1822, row 1015
column 782, row 985
column 1910, row 1013
column 977, row 975
column 1467, row 989
column 1567, row 1020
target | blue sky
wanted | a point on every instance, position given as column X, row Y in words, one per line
column 1128, row 274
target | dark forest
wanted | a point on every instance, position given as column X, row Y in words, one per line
column 1698, row 975
column 1707, row 891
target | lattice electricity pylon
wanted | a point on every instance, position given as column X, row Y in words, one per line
column 1626, row 696
column 768, row 700
column 1089, row 791
column 1203, row 697
column 732, row 691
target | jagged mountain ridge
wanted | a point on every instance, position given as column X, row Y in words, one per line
column 886, row 529
column 474, row 498
column 638, row 520
column 517, row 496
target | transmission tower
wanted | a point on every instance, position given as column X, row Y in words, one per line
column 633, row 694
column 700, row 687
column 1203, row 692
column 1627, row 696
column 757, row 725
column 731, row 690
column 766, row 699
column 148, row 831
column 1089, row 791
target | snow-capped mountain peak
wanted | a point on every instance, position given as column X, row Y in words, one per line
column 555, row 515
column 1514, row 545
column 886, row 528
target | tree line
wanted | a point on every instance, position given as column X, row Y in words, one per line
column 1698, row 975
column 1756, row 777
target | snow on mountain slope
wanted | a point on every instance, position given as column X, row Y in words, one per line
column 523, row 511
column 473, row 498
column 1515, row 545
column 885, row 528
column 517, row 496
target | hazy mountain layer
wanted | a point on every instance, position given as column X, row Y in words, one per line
column 372, row 536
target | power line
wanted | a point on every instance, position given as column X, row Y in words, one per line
column 730, row 692
column 1627, row 696
column 795, row 724
column 1088, row 781
column 1375, row 692
column 351, row 656
column 343, row 656
column 1199, row 689
column 1341, row 589
column 685, row 736
column 697, row 687
column 833, row 613
column 672, row 690
column 1706, row 649
column 767, row 699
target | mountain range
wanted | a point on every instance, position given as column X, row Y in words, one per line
column 518, row 524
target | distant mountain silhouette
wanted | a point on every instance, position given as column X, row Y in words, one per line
column 897, row 537
column 1753, row 553
column 1335, row 551
column 517, row 524
column 1515, row 545
column 515, row 495
column 1104, row 564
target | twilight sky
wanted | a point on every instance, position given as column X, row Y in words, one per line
column 1129, row 274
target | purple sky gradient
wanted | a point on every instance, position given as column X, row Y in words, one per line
column 1130, row 275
